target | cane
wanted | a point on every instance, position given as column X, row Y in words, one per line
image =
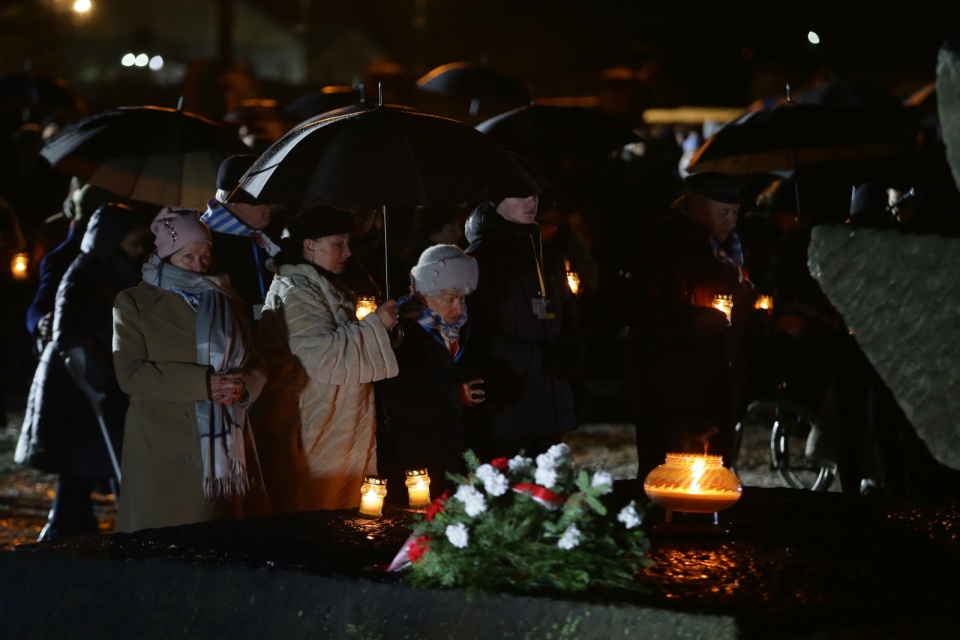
column 76, row 363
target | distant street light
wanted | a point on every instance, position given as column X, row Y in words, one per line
column 813, row 38
column 82, row 6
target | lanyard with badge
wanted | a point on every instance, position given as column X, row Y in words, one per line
column 541, row 304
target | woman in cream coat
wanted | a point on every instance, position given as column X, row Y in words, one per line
column 316, row 421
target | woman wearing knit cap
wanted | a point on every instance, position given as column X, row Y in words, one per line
column 422, row 426
column 183, row 351
column 316, row 423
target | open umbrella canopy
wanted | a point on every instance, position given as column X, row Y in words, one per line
column 474, row 82
column 552, row 130
column 149, row 154
column 312, row 105
column 788, row 136
column 385, row 156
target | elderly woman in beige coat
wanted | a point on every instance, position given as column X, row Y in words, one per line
column 316, row 421
column 183, row 351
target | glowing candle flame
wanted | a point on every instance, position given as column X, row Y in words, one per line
column 724, row 302
column 365, row 306
column 764, row 303
column 19, row 266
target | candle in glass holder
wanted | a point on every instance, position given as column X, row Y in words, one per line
column 365, row 306
column 418, row 488
column 372, row 493
column 764, row 303
column 19, row 266
column 692, row 483
column 574, row 281
column 724, row 302
column 573, row 278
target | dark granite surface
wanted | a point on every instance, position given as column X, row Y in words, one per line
column 785, row 563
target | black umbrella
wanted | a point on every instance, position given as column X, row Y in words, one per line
column 476, row 83
column 385, row 156
column 785, row 137
column 552, row 130
column 312, row 105
column 149, row 154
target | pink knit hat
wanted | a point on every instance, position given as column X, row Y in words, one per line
column 177, row 227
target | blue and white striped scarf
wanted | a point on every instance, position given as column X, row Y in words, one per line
column 431, row 320
column 218, row 218
column 733, row 258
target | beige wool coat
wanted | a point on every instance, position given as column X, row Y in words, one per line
column 155, row 355
column 315, row 423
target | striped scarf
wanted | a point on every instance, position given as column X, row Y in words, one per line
column 432, row 321
column 220, row 219
column 733, row 257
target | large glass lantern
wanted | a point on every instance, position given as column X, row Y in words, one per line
column 692, row 483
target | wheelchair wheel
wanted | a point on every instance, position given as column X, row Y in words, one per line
column 790, row 423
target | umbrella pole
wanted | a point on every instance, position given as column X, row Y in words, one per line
column 386, row 261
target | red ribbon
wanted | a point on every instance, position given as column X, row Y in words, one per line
column 544, row 496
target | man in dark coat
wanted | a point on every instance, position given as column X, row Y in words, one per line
column 422, row 409
column 684, row 354
column 241, row 248
column 526, row 330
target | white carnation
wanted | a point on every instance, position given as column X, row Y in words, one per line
column 601, row 479
column 629, row 516
column 473, row 501
column 545, row 477
column 495, row 483
column 520, row 465
column 458, row 535
column 554, row 456
column 569, row 539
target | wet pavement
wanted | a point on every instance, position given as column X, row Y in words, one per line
column 26, row 494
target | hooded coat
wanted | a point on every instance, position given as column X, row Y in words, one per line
column 61, row 433
column 315, row 422
column 525, row 360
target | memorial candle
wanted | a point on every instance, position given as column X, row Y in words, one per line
column 418, row 488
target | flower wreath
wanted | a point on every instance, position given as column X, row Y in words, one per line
column 527, row 526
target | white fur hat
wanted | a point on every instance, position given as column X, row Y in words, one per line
column 445, row 266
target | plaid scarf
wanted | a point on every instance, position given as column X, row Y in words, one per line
column 433, row 321
column 733, row 257
column 222, row 340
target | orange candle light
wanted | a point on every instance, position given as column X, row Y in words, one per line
column 724, row 302
column 19, row 266
column 372, row 493
column 573, row 278
column 418, row 488
column 692, row 483
column 764, row 303
column 365, row 306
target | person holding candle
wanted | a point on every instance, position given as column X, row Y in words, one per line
column 684, row 354
column 422, row 426
column 316, row 423
column 183, row 350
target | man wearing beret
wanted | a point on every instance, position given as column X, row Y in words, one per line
column 684, row 353
column 241, row 248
